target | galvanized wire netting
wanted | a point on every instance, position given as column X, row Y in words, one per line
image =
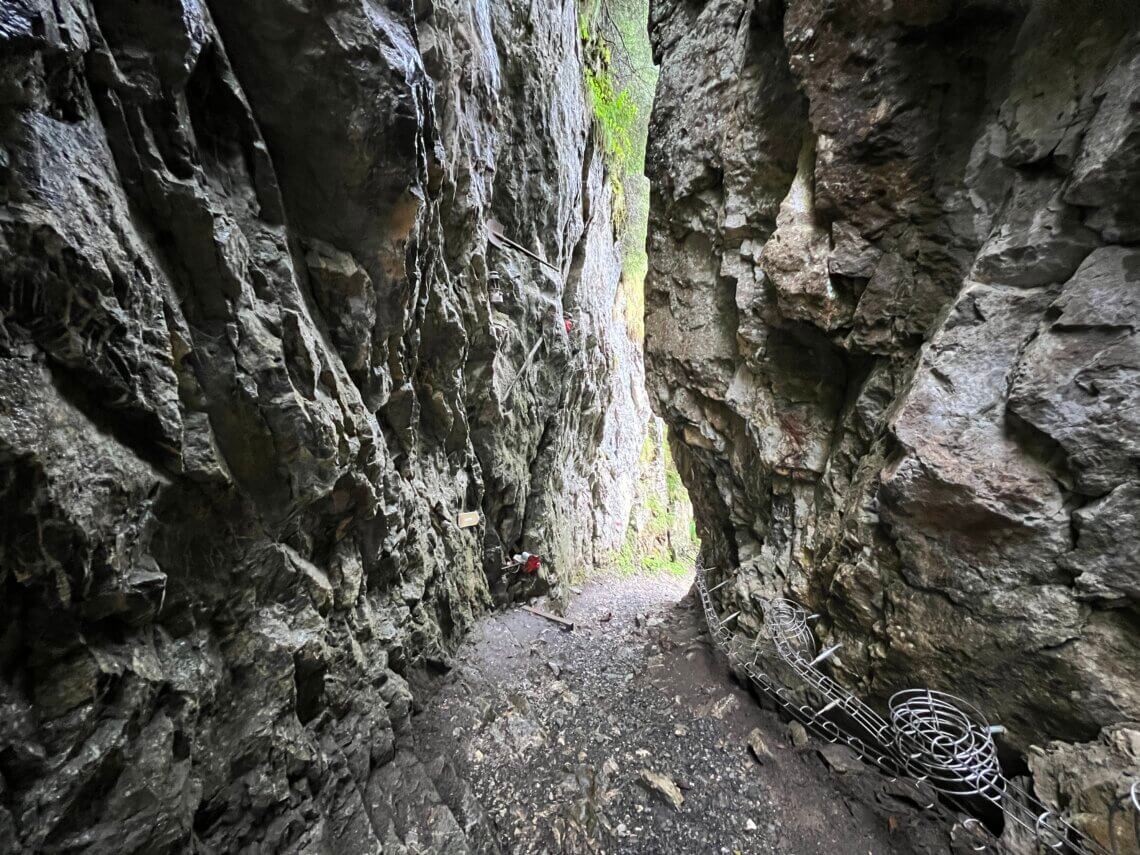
column 932, row 742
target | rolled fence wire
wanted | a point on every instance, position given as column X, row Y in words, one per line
column 934, row 743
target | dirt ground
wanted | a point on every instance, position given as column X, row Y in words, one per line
column 629, row 734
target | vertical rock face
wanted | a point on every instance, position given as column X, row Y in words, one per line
column 893, row 321
column 256, row 355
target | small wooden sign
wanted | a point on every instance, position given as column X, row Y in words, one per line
column 468, row 519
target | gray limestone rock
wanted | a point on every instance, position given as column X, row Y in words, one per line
column 1078, row 382
column 251, row 375
column 902, row 387
column 1088, row 775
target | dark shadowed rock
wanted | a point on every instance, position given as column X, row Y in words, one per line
column 902, row 387
column 251, row 376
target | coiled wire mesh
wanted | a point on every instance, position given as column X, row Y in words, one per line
column 935, row 743
column 945, row 740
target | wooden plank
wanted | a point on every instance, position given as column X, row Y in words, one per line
column 561, row 621
column 468, row 519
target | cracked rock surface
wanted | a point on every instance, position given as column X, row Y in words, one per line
column 256, row 357
column 892, row 323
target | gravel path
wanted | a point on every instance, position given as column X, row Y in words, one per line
column 629, row 735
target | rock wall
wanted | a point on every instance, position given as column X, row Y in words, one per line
column 893, row 323
column 257, row 355
column 660, row 535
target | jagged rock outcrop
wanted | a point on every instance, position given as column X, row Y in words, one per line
column 257, row 355
column 893, row 322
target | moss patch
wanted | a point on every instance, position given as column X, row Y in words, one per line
column 621, row 79
column 661, row 536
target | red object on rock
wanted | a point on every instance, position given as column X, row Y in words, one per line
column 533, row 562
column 569, row 324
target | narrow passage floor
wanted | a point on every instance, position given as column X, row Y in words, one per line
column 630, row 735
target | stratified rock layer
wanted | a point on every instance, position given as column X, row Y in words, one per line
column 893, row 322
column 256, row 356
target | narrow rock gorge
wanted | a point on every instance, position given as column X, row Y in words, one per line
column 313, row 313
column 893, row 323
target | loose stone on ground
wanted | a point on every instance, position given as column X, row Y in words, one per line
column 631, row 736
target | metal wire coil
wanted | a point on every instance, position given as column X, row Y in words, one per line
column 944, row 740
column 934, row 741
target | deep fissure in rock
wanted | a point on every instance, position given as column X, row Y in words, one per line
column 863, row 287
